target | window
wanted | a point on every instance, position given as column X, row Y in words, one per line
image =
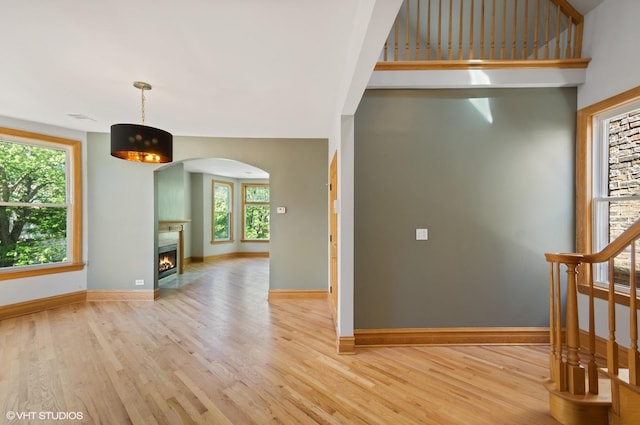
column 222, row 211
column 255, row 207
column 616, row 183
column 40, row 204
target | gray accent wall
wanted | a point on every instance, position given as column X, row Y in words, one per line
column 188, row 213
column 171, row 192
column 123, row 220
column 490, row 173
column 199, row 237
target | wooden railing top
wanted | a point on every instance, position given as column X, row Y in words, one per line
column 482, row 64
column 610, row 251
column 569, row 10
column 573, row 258
column 617, row 246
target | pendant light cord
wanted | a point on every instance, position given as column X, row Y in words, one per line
column 142, row 95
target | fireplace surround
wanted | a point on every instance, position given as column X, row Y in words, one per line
column 167, row 260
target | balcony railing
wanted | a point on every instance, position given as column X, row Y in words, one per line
column 484, row 33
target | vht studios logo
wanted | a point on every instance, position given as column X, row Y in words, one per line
column 44, row 416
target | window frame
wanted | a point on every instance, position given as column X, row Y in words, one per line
column 229, row 212
column 602, row 200
column 585, row 181
column 244, row 215
column 73, row 150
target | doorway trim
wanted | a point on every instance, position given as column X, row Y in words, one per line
column 333, row 236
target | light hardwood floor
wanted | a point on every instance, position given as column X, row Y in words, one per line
column 212, row 350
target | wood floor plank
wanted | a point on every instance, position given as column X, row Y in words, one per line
column 214, row 350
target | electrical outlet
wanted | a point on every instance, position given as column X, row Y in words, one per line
column 422, row 234
column 139, row 282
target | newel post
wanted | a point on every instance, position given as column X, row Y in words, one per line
column 568, row 375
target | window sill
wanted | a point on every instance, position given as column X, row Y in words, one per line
column 221, row 242
column 255, row 241
column 40, row 271
column 621, row 298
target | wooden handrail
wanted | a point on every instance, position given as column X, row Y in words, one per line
column 569, row 10
column 482, row 64
column 617, row 246
column 564, row 258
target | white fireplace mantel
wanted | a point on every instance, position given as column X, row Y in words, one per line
column 172, row 225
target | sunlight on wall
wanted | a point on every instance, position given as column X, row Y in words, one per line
column 482, row 105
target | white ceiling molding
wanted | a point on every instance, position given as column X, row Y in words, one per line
column 476, row 78
column 225, row 167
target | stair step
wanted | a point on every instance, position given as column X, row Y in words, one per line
column 622, row 377
column 587, row 409
column 602, row 398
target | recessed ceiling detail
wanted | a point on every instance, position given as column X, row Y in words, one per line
column 225, row 167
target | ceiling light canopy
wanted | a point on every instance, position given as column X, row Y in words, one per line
column 141, row 143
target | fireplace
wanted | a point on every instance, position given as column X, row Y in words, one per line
column 167, row 260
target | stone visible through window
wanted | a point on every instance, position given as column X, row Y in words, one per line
column 617, row 185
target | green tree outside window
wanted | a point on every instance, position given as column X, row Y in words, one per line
column 33, row 204
column 222, row 221
column 256, row 212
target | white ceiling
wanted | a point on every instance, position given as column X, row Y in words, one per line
column 585, row 6
column 230, row 68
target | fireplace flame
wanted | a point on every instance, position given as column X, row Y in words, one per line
column 165, row 264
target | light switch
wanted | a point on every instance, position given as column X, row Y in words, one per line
column 422, row 234
column 281, row 210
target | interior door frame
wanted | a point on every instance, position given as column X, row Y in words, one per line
column 333, row 236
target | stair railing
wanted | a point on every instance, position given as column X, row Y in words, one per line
column 431, row 32
column 566, row 365
column 566, row 368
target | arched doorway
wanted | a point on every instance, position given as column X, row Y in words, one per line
column 224, row 205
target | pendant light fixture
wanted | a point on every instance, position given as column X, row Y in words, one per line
column 141, row 143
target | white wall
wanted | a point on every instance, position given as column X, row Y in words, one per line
column 346, row 227
column 358, row 70
column 611, row 36
column 18, row 290
column 602, row 319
